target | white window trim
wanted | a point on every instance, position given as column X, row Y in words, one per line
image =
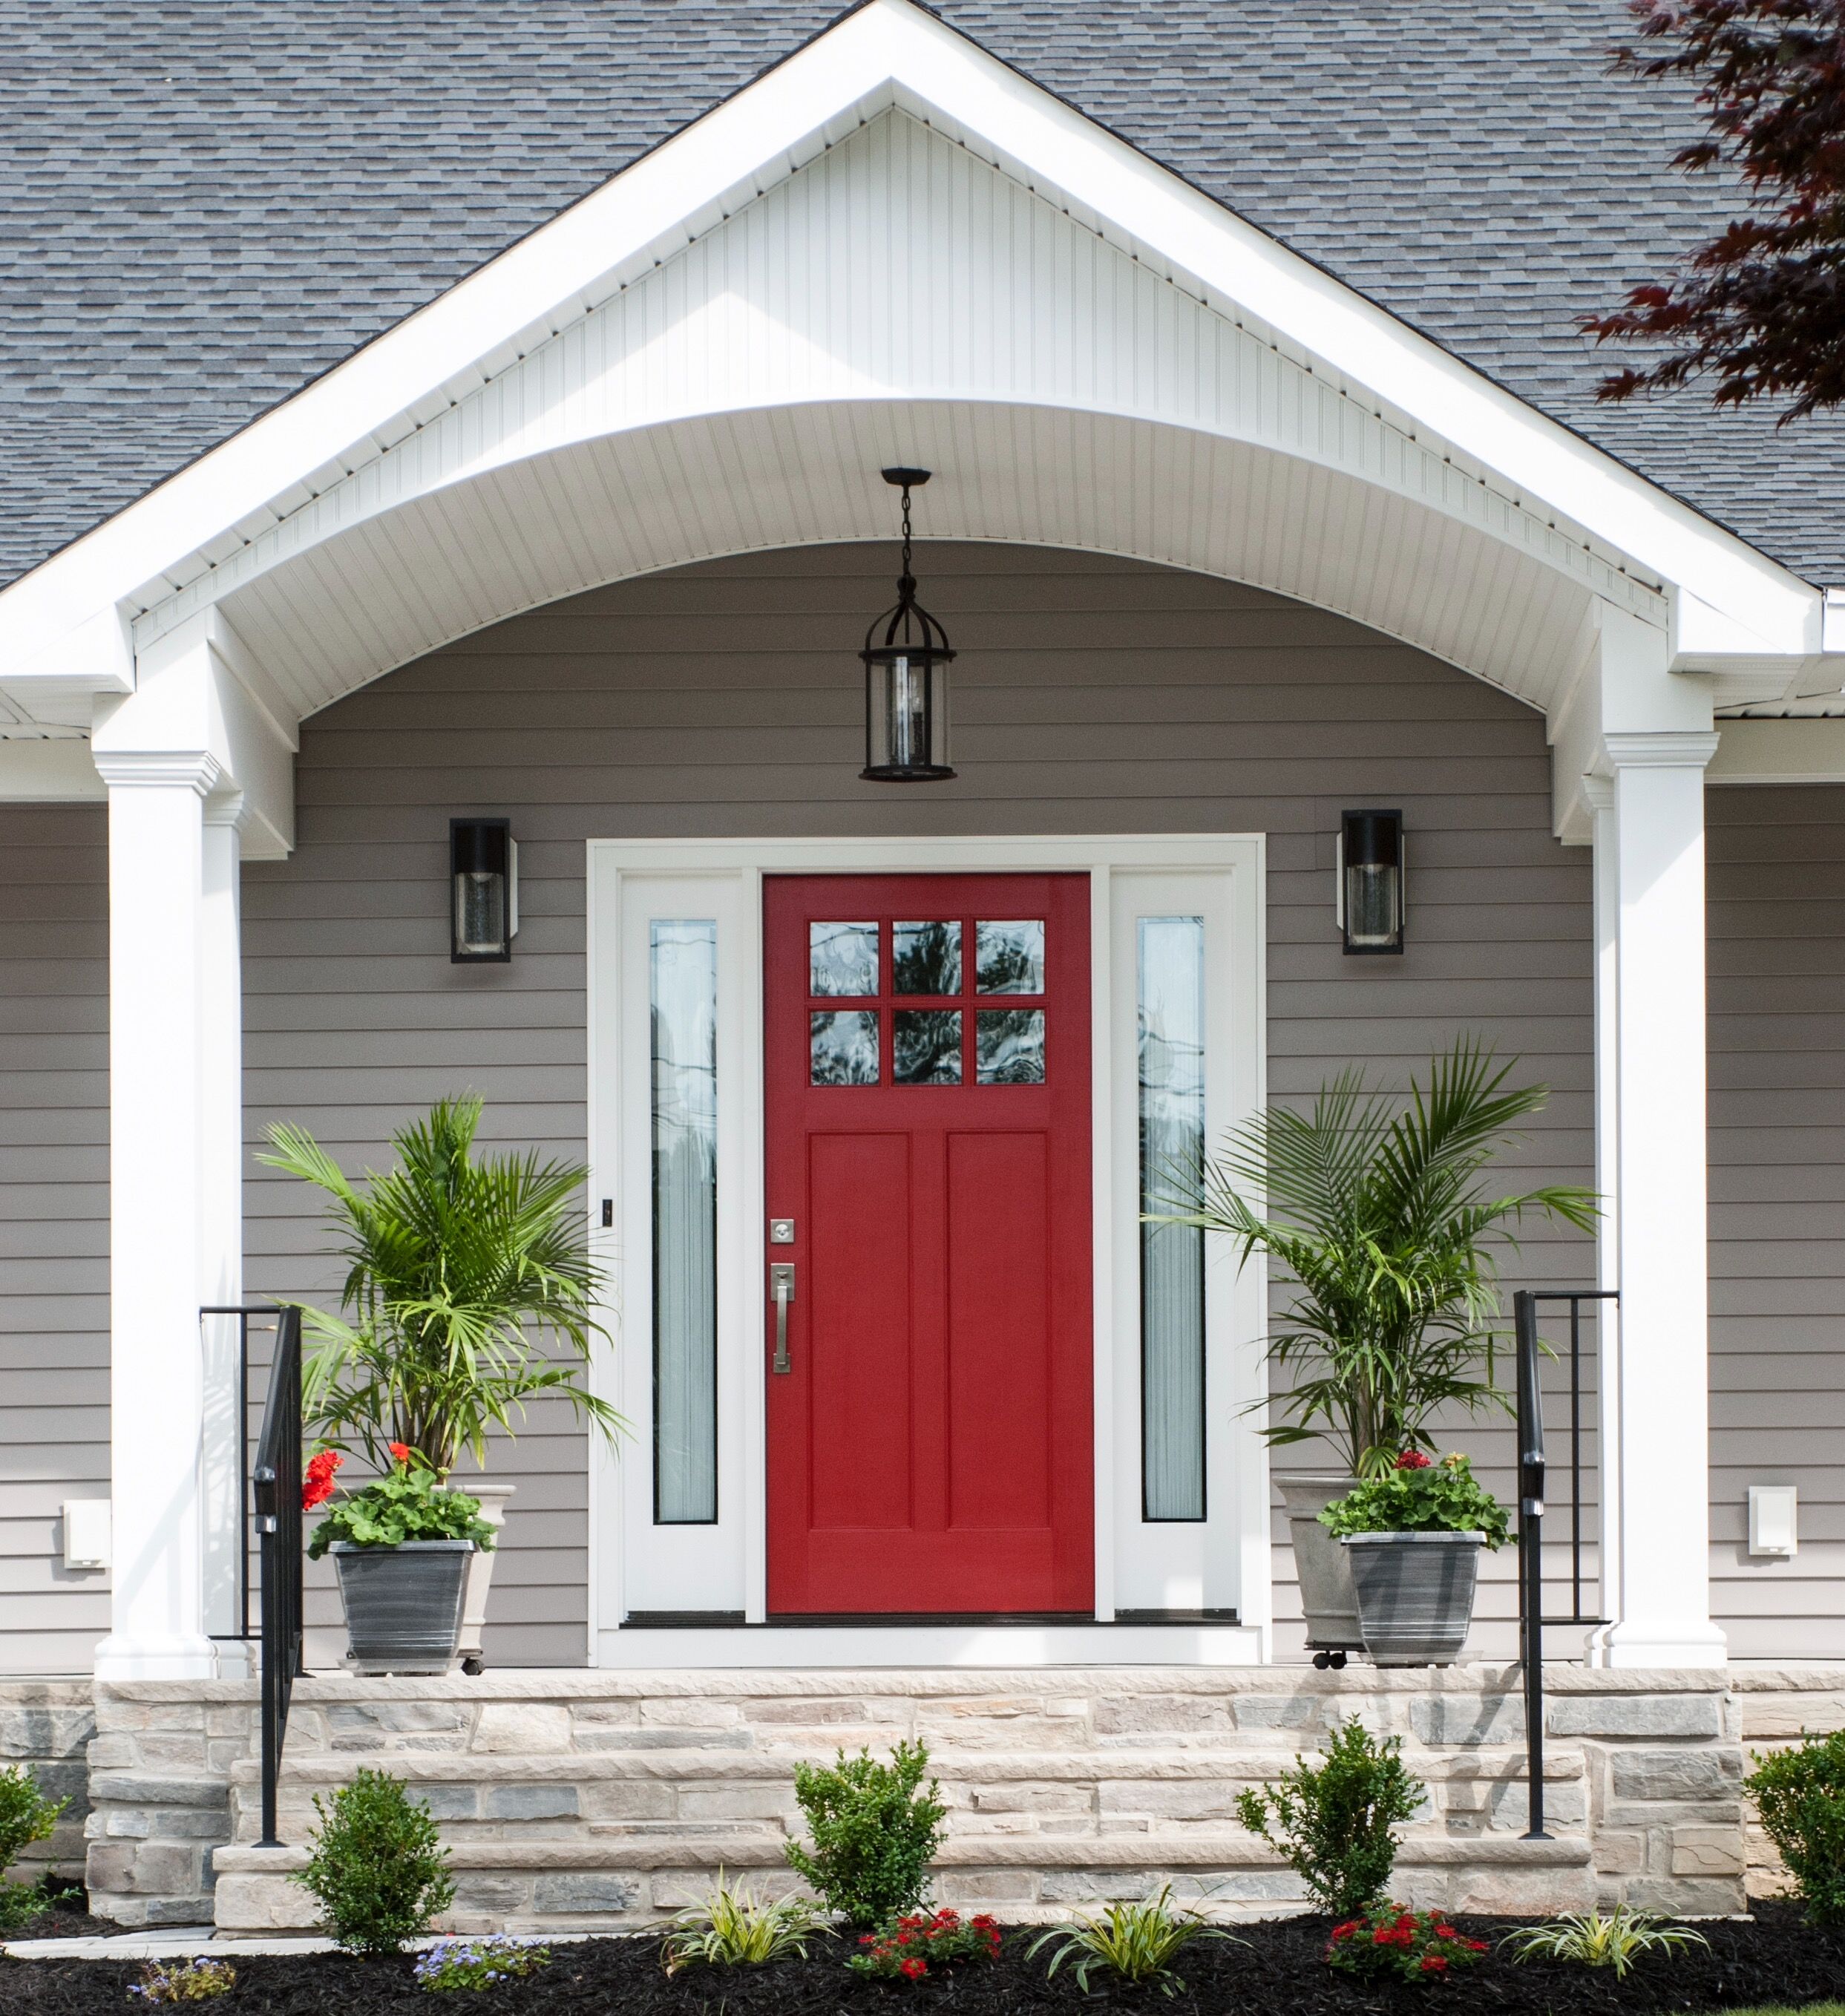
column 724, row 1567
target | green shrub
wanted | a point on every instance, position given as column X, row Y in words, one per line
column 1614, row 1938
column 874, row 1829
column 735, row 1928
column 1135, row 1943
column 1419, row 1496
column 184, row 1980
column 1800, row 1795
column 1333, row 1823
column 378, row 1871
column 26, row 1814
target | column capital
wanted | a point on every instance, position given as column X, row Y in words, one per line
column 197, row 768
column 1671, row 749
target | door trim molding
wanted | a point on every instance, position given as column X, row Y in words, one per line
column 742, row 864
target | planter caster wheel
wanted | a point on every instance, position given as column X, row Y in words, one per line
column 1334, row 1660
column 475, row 1667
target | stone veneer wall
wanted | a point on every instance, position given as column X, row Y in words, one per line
column 160, row 1768
column 580, row 1799
column 47, row 1724
column 1774, row 1707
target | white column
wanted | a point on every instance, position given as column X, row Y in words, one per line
column 1651, row 1074
column 158, row 1026
column 221, row 1213
column 1599, row 794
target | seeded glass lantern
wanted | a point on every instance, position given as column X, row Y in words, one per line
column 1370, row 881
column 483, row 890
column 906, row 657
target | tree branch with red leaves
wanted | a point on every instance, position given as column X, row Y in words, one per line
column 1761, row 307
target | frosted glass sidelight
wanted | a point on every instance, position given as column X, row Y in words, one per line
column 683, row 996
column 1171, row 1045
column 842, row 959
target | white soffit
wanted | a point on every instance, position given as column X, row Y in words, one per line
column 460, row 389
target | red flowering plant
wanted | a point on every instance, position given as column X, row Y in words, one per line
column 1392, row 1939
column 317, row 1482
column 909, row 1946
column 1415, row 1496
column 409, row 1502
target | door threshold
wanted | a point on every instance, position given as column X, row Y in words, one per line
column 734, row 1620
column 714, row 1640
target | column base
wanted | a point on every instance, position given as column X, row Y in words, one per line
column 1657, row 1643
column 149, row 1656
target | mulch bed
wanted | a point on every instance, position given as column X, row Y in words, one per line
column 1778, row 1959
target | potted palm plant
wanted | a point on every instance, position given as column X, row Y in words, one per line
column 1412, row 1537
column 1379, row 1210
column 470, row 1290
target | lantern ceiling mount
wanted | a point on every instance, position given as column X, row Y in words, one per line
column 906, row 657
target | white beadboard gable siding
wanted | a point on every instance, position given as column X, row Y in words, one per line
column 726, row 698
column 1777, row 912
column 54, row 1226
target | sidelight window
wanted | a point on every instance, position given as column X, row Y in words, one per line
column 683, row 999
column 1170, row 982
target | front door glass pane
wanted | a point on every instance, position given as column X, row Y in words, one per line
column 1171, row 1044
column 843, row 1049
column 1009, row 957
column 925, row 958
column 1009, row 1046
column 683, row 982
column 926, row 1047
column 842, row 959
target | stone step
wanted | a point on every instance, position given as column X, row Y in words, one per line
column 630, row 1881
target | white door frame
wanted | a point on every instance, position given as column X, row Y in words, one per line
column 1221, row 1563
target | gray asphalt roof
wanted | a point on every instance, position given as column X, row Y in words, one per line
column 204, row 203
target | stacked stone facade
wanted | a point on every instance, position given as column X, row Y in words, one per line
column 47, row 1725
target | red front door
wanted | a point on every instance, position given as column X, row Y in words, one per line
column 927, row 1059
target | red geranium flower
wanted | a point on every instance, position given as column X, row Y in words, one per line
column 1432, row 1964
column 401, row 1452
column 317, row 1487
column 1412, row 1459
column 916, row 1969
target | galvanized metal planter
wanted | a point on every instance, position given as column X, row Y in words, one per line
column 403, row 1603
column 1415, row 1594
column 1328, row 1600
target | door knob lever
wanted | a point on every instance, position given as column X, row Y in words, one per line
column 781, row 1287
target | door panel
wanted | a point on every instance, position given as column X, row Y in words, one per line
column 927, row 1054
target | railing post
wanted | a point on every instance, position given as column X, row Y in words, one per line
column 277, row 1481
column 1530, row 1552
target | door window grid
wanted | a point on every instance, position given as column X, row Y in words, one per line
column 944, row 1033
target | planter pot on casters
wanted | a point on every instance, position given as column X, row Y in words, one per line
column 1328, row 1602
column 1415, row 1594
column 493, row 1510
column 403, row 1603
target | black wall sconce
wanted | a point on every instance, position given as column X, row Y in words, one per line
column 1369, row 884
column 483, row 890
column 906, row 677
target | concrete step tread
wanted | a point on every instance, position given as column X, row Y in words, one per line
column 1202, row 1849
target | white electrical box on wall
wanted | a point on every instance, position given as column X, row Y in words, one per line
column 1774, row 1521
column 86, row 1532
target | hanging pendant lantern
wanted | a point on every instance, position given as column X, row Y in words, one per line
column 906, row 657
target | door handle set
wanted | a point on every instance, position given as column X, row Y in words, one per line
column 782, row 1288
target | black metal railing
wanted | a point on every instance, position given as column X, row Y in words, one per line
column 263, row 1315
column 1531, row 1481
column 275, row 1481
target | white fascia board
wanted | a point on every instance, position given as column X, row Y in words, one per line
column 886, row 48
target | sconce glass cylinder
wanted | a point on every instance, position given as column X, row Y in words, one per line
column 483, row 890
column 1370, row 882
column 906, row 715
